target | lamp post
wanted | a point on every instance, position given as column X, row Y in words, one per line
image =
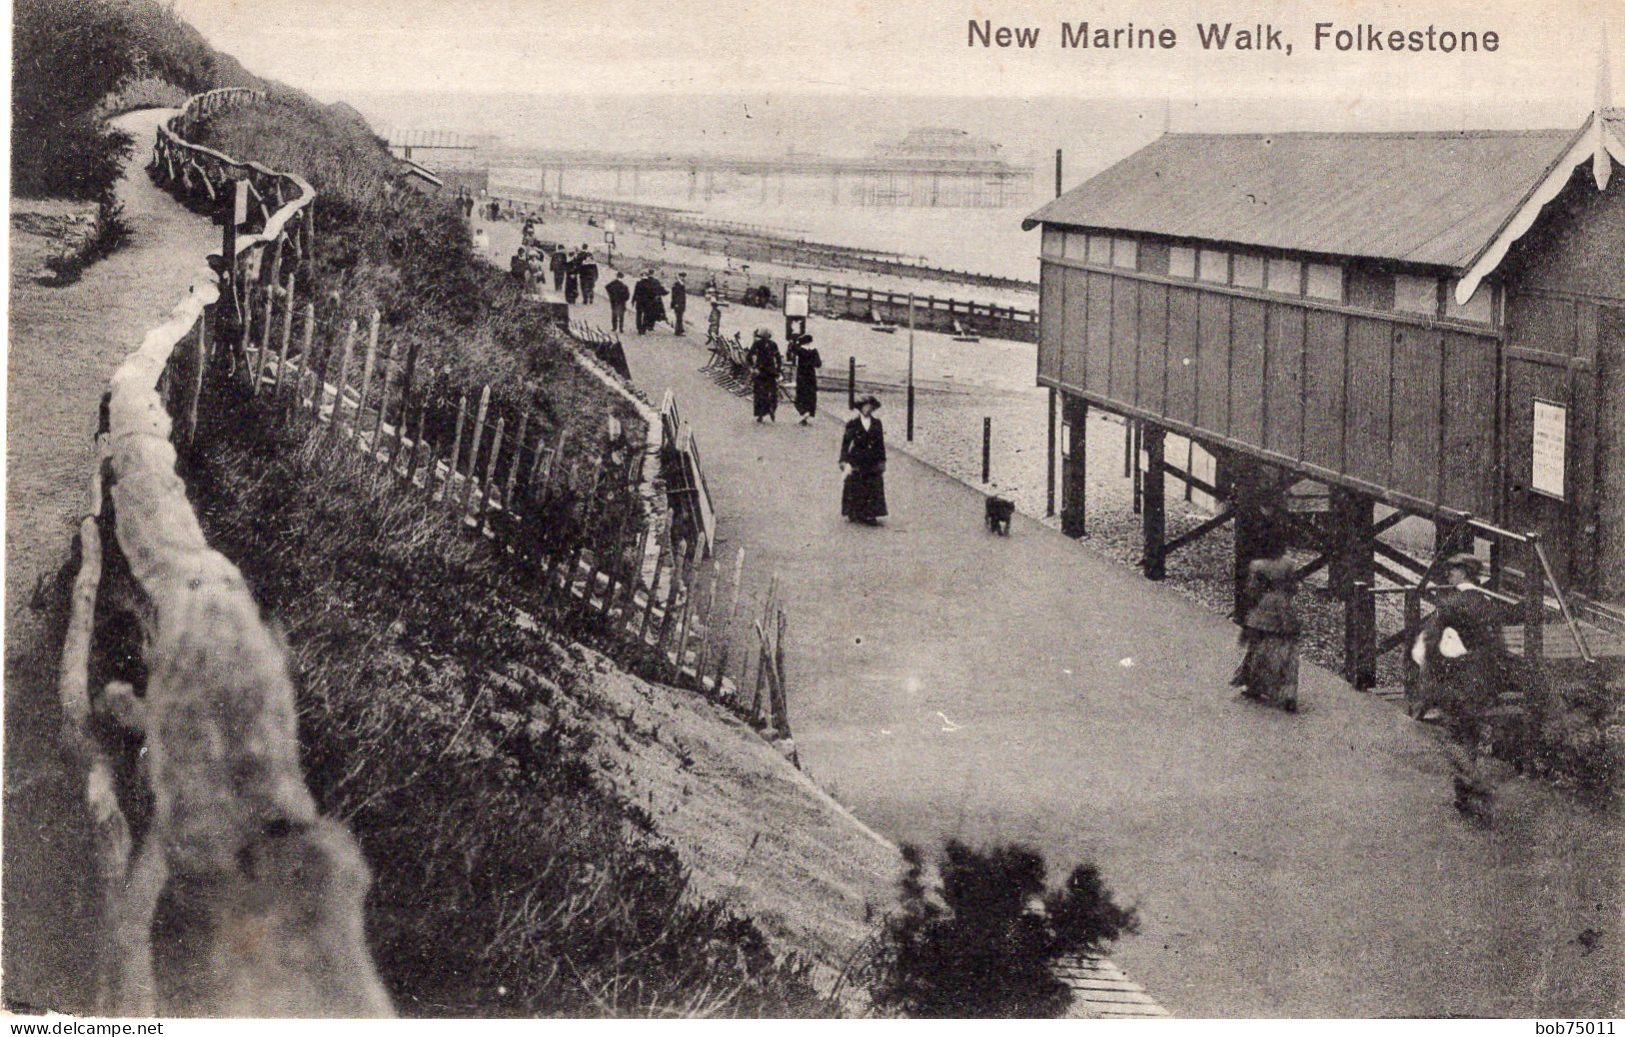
column 910, row 367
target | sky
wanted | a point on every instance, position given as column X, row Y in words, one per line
column 1548, row 55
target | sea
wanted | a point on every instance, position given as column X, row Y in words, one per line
column 1090, row 133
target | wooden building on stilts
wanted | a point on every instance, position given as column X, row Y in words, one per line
column 1418, row 324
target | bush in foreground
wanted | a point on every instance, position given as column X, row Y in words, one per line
column 982, row 943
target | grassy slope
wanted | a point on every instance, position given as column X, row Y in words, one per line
column 490, row 773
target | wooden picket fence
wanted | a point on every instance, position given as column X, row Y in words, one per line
column 658, row 600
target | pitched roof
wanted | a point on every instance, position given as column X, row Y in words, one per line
column 1430, row 198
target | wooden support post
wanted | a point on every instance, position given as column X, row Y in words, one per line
column 474, row 452
column 1049, row 460
column 1137, row 442
column 343, row 380
column 1074, row 464
column 1190, row 468
column 449, row 495
column 1352, row 517
column 1153, row 514
column 308, row 345
column 1534, row 608
column 1413, row 624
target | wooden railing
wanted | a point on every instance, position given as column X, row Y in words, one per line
column 239, row 885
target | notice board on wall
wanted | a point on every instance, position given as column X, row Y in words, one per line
column 1549, row 448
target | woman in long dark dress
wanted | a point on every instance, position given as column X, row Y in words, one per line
column 764, row 375
column 807, row 363
column 863, row 459
column 1269, row 632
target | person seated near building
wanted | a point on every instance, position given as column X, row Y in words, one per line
column 1269, row 633
column 1464, row 667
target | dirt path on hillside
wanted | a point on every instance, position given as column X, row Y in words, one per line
column 64, row 344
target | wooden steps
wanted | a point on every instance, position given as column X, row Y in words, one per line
column 1100, row 988
column 1558, row 643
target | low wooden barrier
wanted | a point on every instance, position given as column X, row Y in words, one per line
column 242, row 899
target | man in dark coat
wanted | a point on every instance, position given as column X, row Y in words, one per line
column 1464, row 667
column 807, row 362
column 617, row 293
column 646, row 304
column 557, row 263
column 679, row 303
column 765, row 366
column 588, row 272
column 863, row 459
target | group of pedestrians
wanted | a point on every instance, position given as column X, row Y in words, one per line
column 1460, row 658
column 574, row 273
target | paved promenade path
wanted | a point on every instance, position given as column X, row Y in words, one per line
column 945, row 682
column 64, row 344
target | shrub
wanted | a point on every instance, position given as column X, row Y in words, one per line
column 982, row 944
column 108, row 234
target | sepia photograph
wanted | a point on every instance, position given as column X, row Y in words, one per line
column 667, row 509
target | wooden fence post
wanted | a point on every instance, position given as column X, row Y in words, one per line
column 702, row 653
column 265, row 335
column 407, row 379
column 304, row 357
column 730, row 620
column 366, row 370
column 490, row 477
column 383, row 399
column 412, row 455
column 679, row 566
column 518, row 455
column 343, row 380
column 781, row 705
column 199, row 359
column 450, row 492
column 653, row 593
column 474, row 453
column 287, row 334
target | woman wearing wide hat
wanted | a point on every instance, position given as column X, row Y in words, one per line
column 863, row 459
column 807, row 362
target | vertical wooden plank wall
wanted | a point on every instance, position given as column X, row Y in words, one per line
column 1390, row 403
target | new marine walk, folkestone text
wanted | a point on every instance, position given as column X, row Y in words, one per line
column 1228, row 36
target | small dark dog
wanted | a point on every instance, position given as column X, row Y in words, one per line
column 999, row 511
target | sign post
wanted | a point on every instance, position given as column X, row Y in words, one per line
column 797, row 304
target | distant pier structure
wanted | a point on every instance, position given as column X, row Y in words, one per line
column 929, row 167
